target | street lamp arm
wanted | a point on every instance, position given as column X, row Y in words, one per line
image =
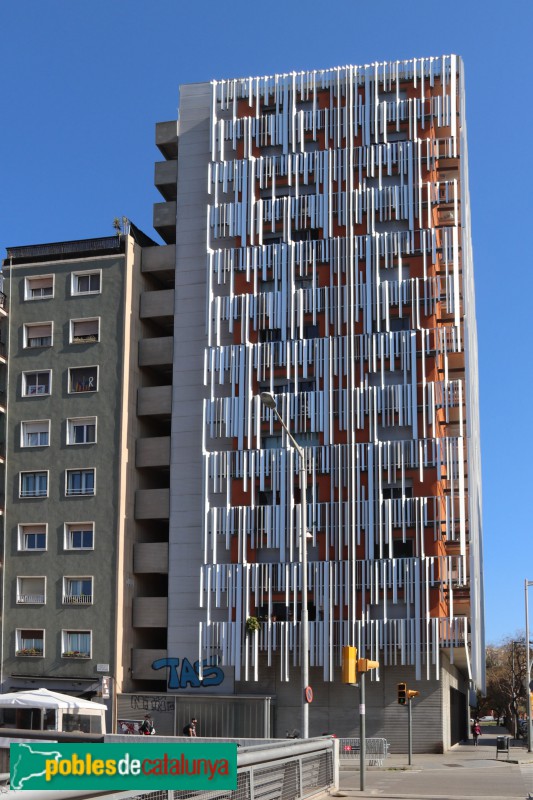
column 268, row 400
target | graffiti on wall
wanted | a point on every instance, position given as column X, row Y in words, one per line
column 184, row 675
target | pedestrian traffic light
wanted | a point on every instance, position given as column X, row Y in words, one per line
column 412, row 693
column 349, row 664
column 402, row 693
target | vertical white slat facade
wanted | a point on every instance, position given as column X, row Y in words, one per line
column 340, row 278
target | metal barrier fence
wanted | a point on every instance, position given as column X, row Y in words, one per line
column 377, row 750
column 280, row 770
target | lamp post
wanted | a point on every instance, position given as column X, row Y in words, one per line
column 268, row 400
column 527, row 584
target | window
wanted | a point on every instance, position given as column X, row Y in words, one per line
column 395, row 492
column 39, row 288
column 77, row 591
column 79, row 536
column 36, row 383
column 399, row 323
column 34, row 484
column 35, row 434
column 81, row 430
column 270, row 335
column 86, row 282
column 311, row 331
column 29, row 642
column 83, row 379
column 32, row 537
column 274, row 442
column 402, row 549
column 83, row 331
column 31, row 590
column 76, row 644
column 80, row 482
column 38, row 334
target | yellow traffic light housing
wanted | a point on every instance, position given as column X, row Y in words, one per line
column 412, row 693
column 349, row 664
column 365, row 664
column 402, row 693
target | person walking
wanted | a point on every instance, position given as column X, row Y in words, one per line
column 147, row 727
column 476, row 731
column 190, row 728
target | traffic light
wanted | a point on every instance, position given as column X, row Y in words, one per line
column 402, row 693
column 412, row 693
column 364, row 664
column 349, row 664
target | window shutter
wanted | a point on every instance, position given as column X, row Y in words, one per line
column 85, row 327
column 38, row 331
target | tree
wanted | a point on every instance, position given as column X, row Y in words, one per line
column 506, row 680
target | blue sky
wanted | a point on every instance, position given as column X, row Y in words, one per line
column 83, row 83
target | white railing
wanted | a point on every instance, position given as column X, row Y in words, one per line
column 77, row 599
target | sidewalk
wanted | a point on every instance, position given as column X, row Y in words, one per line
column 462, row 773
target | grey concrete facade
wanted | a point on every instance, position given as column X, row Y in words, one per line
column 63, row 556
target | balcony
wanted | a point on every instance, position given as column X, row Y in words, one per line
column 161, row 262
column 154, row 401
column 150, row 612
column 157, row 352
column 164, row 220
column 141, row 664
column 153, row 452
column 150, row 557
column 152, row 504
column 166, row 138
column 77, row 599
column 155, row 305
column 31, row 599
column 166, row 178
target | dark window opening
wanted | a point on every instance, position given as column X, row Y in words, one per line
column 402, row 549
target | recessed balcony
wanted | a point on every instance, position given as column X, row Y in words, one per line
column 150, row 612
column 150, row 557
column 156, row 352
column 152, row 504
column 141, row 664
column 153, row 452
column 154, row 401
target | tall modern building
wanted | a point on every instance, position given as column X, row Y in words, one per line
column 317, row 231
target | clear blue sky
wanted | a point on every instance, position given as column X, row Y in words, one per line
column 83, row 84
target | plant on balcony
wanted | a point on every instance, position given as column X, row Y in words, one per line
column 74, row 654
column 252, row 624
column 30, row 651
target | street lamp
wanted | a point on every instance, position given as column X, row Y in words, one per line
column 268, row 400
column 527, row 584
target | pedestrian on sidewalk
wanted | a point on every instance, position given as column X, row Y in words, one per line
column 476, row 731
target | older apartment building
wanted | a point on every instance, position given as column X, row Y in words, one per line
column 317, row 231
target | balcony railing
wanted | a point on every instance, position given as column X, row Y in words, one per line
column 77, row 599
column 30, row 598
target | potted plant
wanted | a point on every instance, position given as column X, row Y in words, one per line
column 252, row 624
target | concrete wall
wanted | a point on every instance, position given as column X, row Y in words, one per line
column 186, row 521
column 335, row 707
